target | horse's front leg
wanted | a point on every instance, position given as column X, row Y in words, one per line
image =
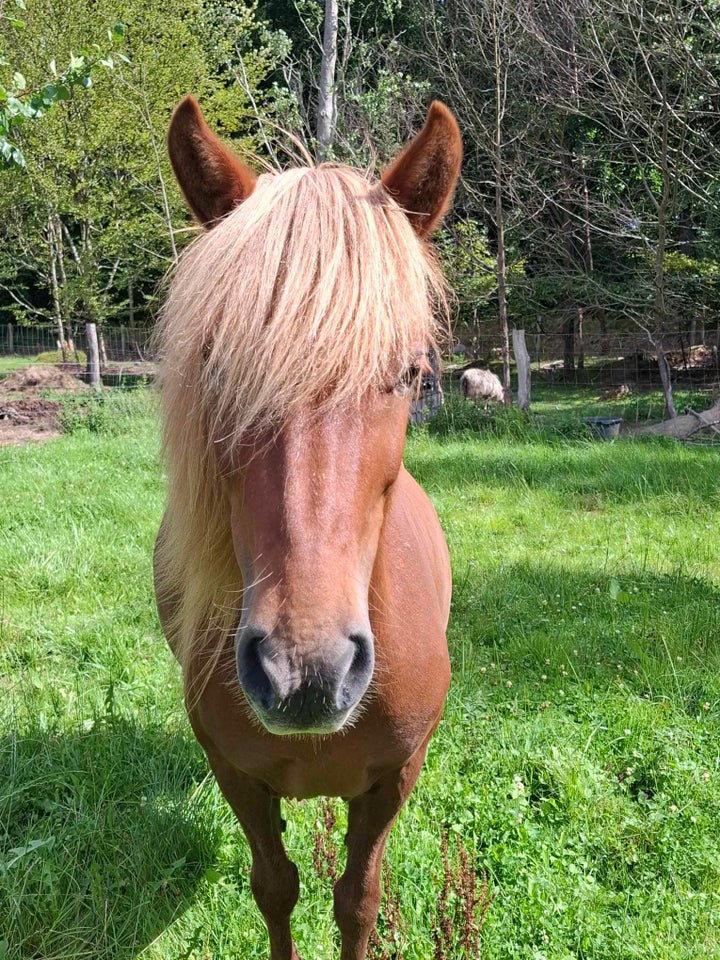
column 358, row 891
column 274, row 877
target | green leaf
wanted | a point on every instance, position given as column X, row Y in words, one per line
column 19, row 81
column 63, row 92
column 53, row 68
column 20, row 4
column 49, row 92
column 617, row 593
column 18, row 24
column 118, row 31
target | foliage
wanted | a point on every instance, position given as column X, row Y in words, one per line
column 19, row 103
column 576, row 759
column 97, row 219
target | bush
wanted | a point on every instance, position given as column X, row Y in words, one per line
column 55, row 356
column 110, row 412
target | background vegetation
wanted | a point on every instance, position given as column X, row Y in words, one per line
column 589, row 201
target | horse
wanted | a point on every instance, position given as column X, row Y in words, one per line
column 301, row 575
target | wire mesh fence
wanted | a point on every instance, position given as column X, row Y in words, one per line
column 610, row 360
column 117, row 343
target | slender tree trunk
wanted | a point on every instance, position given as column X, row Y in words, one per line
column 568, row 331
column 499, row 218
column 604, row 339
column 103, row 351
column 659, row 297
column 666, row 380
column 580, row 340
column 93, row 355
column 55, row 238
column 326, row 92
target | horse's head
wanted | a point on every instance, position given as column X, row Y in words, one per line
column 307, row 361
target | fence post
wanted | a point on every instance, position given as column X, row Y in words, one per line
column 123, row 342
column 522, row 359
column 93, row 355
column 11, row 346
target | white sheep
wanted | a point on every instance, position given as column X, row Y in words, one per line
column 476, row 384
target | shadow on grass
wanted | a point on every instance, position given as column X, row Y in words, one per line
column 100, row 848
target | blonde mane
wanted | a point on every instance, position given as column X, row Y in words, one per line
column 311, row 292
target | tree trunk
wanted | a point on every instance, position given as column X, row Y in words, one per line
column 568, row 331
column 580, row 340
column 685, row 426
column 103, row 351
column 326, row 91
column 666, row 380
column 604, row 339
column 522, row 359
column 55, row 237
column 500, row 222
column 93, row 355
column 659, row 297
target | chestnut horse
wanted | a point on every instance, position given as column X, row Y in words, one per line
column 301, row 574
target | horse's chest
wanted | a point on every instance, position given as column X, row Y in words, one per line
column 343, row 765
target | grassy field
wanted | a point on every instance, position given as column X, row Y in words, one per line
column 578, row 759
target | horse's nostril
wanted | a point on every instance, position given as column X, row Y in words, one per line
column 354, row 684
column 251, row 673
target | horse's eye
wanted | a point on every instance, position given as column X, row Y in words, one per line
column 408, row 381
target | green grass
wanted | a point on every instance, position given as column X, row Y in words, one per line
column 579, row 755
column 8, row 364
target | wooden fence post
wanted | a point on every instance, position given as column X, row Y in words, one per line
column 522, row 360
column 93, row 355
column 11, row 345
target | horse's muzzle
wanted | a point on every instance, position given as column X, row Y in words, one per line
column 295, row 693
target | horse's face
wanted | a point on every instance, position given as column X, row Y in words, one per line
column 307, row 502
column 307, row 507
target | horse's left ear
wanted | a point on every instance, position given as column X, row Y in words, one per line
column 423, row 177
column 213, row 180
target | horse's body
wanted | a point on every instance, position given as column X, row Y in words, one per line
column 301, row 574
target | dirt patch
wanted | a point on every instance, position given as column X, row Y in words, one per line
column 28, row 421
column 41, row 378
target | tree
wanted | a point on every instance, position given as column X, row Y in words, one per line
column 95, row 220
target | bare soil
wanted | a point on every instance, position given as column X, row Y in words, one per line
column 41, row 378
column 25, row 415
column 28, row 421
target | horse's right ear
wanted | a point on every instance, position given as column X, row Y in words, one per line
column 211, row 178
column 422, row 179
